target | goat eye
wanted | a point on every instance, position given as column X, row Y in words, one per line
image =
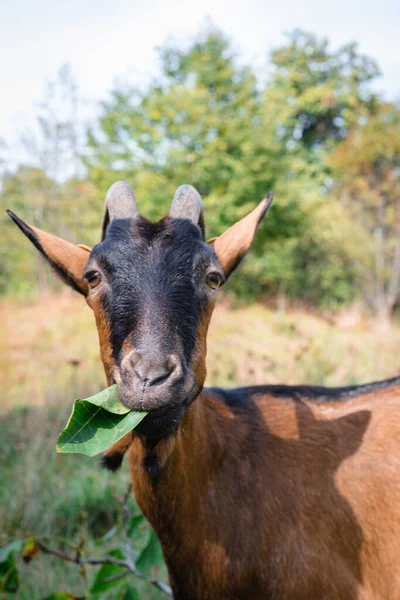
column 93, row 279
column 214, row 280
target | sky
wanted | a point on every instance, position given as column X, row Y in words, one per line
column 105, row 40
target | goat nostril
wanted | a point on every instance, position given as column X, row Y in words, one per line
column 159, row 378
column 151, row 372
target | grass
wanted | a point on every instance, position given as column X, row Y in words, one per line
column 49, row 353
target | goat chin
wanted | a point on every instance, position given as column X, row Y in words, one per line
column 161, row 423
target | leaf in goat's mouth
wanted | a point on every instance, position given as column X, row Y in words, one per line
column 109, row 400
column 96, row 423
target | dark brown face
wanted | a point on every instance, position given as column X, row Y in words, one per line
column 153, row 287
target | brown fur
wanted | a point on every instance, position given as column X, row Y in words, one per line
column 103, row 329
column 232, row 245
column 278, row 498
column 61, row 253
column 198, row 363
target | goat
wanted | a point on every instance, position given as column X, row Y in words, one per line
column 264, row 493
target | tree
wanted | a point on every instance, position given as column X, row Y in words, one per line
column 367, row 168
column 54, row 142
column 200, row 122
column 314, row 98
column 48, row 190
column 320, row 93
column 26, row 192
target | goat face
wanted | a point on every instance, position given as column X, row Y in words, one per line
column 152, row 287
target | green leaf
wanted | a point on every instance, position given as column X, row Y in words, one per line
column 106, row 571
column 109, row 400
column 150, row 557
column 91, row 429
column 14, row 546
column 8, row 570
column 8, row 575
column 134, row 524
column 130, row 593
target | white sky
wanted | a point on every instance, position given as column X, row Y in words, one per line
column 104, row 40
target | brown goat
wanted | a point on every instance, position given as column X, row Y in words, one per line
column 262, row 493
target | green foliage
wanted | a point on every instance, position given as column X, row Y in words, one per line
column 109, row 400
column 101, row 582
column 141, row 561
column 8, row 570
column 70, row 210
column 130, row 593
column 321, row 93
column 198, row 124
column 67, row 503
column 96, row 423
column 208, row 121
column 367, row 175
column 151, row 556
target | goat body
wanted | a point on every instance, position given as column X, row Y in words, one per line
column 266, row 493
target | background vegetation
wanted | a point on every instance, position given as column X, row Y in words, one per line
column 304, row 307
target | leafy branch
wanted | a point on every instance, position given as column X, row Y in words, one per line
column 107, row 560
column 115, row 566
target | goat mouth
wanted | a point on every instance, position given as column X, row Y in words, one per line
column 157, row 400
column 161, row 422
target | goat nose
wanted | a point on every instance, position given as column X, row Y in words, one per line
column 153, row 371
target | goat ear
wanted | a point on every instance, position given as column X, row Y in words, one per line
column 67, row 260
column 231, row 246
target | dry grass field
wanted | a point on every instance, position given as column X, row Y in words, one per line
column 49, row 350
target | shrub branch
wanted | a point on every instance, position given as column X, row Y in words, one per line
column 107, row 560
